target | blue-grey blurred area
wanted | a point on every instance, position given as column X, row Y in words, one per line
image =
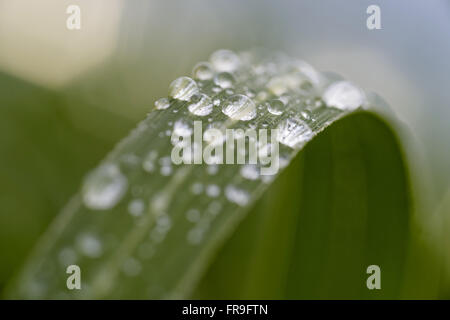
column 67, row 96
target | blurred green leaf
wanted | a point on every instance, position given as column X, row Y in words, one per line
column 43, row 156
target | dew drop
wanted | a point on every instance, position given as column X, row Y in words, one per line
column 180, row 129
column 203, row 71
column 104, row 187
column 149, row 161
column 67, row 256
column 213, row 190
column 235, row 195
column 212, row 169
column 344, row 95
column 166, row 166
column 193, row 215
column 201, row 105
column 277, row 86
column 197, row 188
column 239, row 107
column 195, row 236
column 225, row 60
column 293, row 132
column 131, row 267
column 250, row 172
column 183, row 88
column 162, row 103
column 89, row 245
column 262, row 95
column 224, row 80
column 275, row 107
column 136, row 207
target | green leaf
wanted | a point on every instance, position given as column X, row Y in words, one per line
column 42, row 162
column 341, row 206
column 143, row 227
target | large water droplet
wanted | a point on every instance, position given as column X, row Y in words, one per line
column 309, row 71
column 293, row 132
column 235, row 195
column 183, row 88
column 250, row 172
column 203, row 71
column 162, row 104
column 104, row 187
column 224, row 80
column 275, row 107
column 213, row 190
column 225, row 60
column 201, row 105
column 344, row 95
column 136, row 207
column 89, row 245
column 239, row 107
column 277, row 86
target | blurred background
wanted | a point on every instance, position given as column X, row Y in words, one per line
column 67, row 96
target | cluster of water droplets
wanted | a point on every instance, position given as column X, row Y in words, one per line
column 249, row 90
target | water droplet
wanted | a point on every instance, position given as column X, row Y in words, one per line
column 203, row 71
column 163, row 223
column 166, row 166
column 131, row 267
column 250, row 172
column 277, row 86
column 180, row 129
column 193, row 215
column 195, row 236
column 201, row 105
column 89, row 245
column 293, row 132
column 239, row 107
column 344, row 95
column 275, row 107
column 309, row 72
column 104, row 187
column 214, row 207
column 183, row 88
column 136, row 207
column 162, row 103
column 213, row 190
column 149, row 161
column 67, row 256
column 235, row 195
column 262, row 95
column 225, row 60
column 216, row 102
column 166, row 171
column 197, row 188
column 212, row 169
column 224, row 80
